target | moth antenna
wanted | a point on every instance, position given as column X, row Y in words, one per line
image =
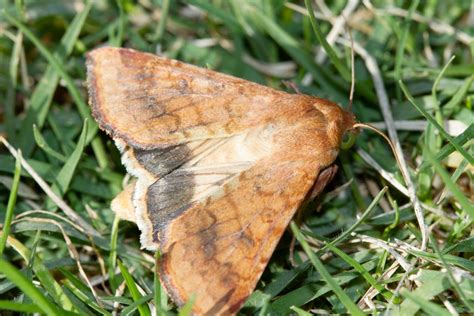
column 392, row 146
column 351, row 93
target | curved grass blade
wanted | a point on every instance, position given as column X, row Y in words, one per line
column 348, row 303
column 438, row 127
column 11, row 204
column 132, row 287
column 345, row 73
column 29, row 289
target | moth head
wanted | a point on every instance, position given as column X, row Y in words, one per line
column 340, row 122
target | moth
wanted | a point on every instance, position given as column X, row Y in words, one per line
column 221, row 166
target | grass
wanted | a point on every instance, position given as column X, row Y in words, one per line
column 362, row 252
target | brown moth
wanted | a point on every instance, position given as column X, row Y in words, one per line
column 221, row 166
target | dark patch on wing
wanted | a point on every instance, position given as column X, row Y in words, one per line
column 161, row 161
column 217, row 308
column 167, row 198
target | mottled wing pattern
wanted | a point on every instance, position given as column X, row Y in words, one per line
column 218, row 248
column 151, row 102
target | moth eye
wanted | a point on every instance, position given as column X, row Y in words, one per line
column 348, row 140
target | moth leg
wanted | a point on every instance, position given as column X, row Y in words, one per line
column 323, row 179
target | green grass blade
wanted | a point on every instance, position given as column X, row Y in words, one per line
column 132, row 287
column 361, row 219
column 85, row 298
column 460, row 94
column 341, row 68
column 448, row 149
column 27, row 287
column 160, row 30
column 429, row 307
column 66, row 173
column 51, row 286
column 365, row 274
column 19, row 307
column 81, row 104
column 161, row 299
column 41, row 142
column 11, row 204
column 438, row 127
column 116, row 39
column 42, row 95
column 218, row 13
column 133, row 307
column 9, row 102
column 76, row 96
column 451, row 278
column 351, row 307
column 466, row 205
column 299, row 311
column 438, row 115
column 186, row 310
column 402, row 43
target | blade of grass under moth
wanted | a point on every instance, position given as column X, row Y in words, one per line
column 161, row 299
column 350, row 306
column 83, row 109
column 11, row 204
column 132, row 287
column 64, row 177
column 466, row 205
column 42, row 95
column 19, row 307
column 27, row 287
column 451, row 278
column 438, row 127
column 186, row 310
column 427, row 306
column 341, row 68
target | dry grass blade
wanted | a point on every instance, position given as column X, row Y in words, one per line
column 384, row 103
column 47, row 189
